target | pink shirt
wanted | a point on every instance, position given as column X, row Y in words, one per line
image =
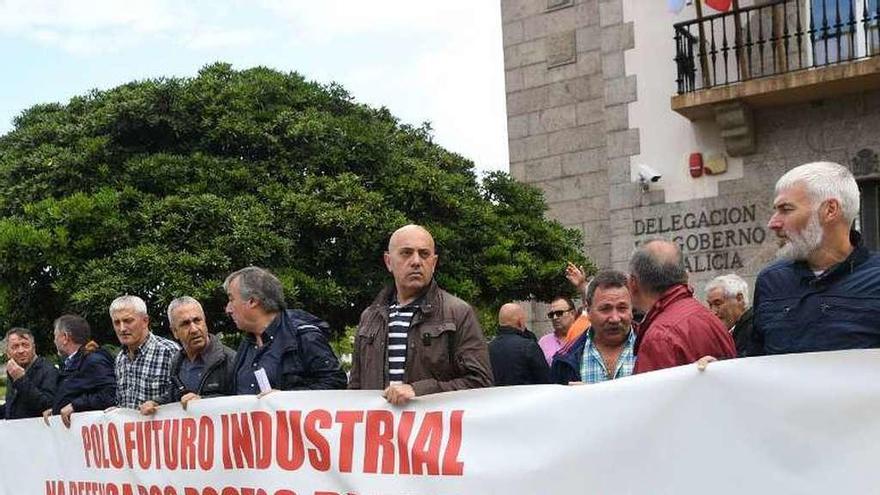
column 550, row 343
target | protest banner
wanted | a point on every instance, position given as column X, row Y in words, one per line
column 787, row 424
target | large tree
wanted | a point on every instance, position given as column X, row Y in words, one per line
column 163, row 187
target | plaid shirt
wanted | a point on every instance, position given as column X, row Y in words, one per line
column 593, row 366
column 148, row 375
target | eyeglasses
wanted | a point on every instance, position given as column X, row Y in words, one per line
column 557, row 314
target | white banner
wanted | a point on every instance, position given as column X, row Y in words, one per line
column 789, row 424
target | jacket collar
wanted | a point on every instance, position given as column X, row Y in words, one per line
column 673, row 294
column 858, row 256
column 430, row 297
column 505, row 330
column 212, row 353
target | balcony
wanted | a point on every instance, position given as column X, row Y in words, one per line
column 776, row 53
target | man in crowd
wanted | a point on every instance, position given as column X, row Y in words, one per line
column 203, row 368
column 515, row 356
column 30, row 379
column 290, row 346
column 677, row 329
column 824, row 292
column 562, row 313
column 144, row 363
column 417, row 339
column 605, row 350
column 87, row 381
column 728, row 297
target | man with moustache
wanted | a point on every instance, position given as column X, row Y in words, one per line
column 605, row 350
column 824, row 292
column 416, row 338
column 143, row 365
column 203, row 368
column 30, row 379
column 87, row 381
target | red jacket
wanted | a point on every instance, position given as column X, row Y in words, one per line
column 679, row 330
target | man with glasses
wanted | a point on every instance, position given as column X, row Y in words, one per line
column 561, row 314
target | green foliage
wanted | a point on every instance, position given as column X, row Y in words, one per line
column 162, row 187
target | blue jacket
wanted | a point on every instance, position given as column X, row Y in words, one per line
column 31, row 394
column 566, row 365
column 796, row 311
column 296, row 355
column 88, row 382
column 516, row 358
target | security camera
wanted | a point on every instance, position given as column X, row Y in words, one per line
column 648, row 174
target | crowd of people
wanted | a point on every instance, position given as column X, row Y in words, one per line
column 417, row 339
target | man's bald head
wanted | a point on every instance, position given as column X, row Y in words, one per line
column 512, row 315
column 411, row 260
column 408, row 231
column 657, row 265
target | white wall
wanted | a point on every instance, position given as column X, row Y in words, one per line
column 666, row 138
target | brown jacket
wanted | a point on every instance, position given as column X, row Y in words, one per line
column 446, row 349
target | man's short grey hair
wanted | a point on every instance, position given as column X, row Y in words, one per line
column 824, row 181
column 22, row 333
column 260, row 284
column 654, row 273
column 128, row 302
column 181, row 301
column 731, row 284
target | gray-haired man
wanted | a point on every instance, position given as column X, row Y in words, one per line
column 290, row 346
column 203, row 368
column 728, row 297
column 143, row 365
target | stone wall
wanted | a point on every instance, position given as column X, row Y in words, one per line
column 568, row 92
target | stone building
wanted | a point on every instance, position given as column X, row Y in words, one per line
column 640, row 123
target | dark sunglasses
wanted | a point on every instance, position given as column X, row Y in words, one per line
column 557, row 314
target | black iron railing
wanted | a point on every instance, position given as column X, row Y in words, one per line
column 776, row 37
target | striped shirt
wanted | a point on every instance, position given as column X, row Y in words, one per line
column 593, row 366
column 148, row 375
column 399, row 321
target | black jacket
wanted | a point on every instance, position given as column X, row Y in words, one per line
column 296, row 354
column 517, row 359
column 88, row 382
column 742, row 333
column 216, row 379
column 31, row 394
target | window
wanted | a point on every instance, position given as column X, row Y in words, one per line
column 839, row 29
column 831, row 15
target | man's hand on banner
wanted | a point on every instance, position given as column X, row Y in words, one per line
column 399, row 394
column 267, row 392
column 576, row 383
column 149, row 408
column 66, row 413
column 46, row 414
column 186, row 399
column 704, row 361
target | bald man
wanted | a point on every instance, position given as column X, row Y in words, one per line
column 516, row 357
column 677, row 329
column 416, row 338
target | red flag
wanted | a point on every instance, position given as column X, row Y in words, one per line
column 719, row 5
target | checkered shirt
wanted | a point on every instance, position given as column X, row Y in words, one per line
column 593, row 366
column 148, row 375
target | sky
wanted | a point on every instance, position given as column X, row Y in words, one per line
column 437, row 61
